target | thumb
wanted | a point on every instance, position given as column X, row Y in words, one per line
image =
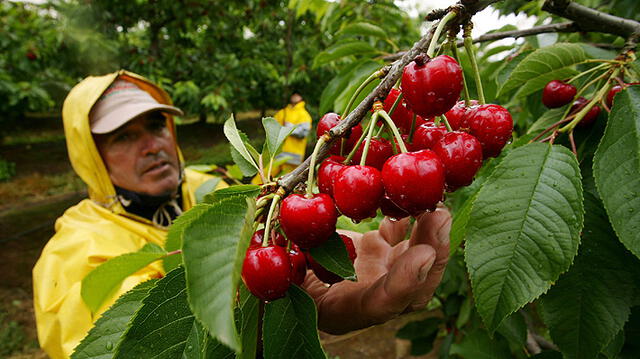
column 394, row 292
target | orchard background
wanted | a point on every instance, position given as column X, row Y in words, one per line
column 545, row 261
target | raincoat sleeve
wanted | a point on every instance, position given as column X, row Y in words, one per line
column 61, row 315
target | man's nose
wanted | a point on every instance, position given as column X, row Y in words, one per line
column 150, row 144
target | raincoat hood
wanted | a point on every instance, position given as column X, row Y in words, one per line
column 83, row 153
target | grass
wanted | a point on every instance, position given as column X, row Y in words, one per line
column 37, row 186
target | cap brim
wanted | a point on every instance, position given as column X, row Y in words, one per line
column 126, row 113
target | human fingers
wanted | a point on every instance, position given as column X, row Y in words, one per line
column 397, row 290
column 394, row 231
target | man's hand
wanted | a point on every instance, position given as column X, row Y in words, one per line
column 394, row 276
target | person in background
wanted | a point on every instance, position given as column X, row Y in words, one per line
column 296, row 116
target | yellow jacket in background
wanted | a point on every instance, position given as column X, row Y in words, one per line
column 295, row 116
column 93, row 231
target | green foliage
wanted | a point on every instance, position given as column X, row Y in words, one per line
column 616, row 167
column 290, row 327
column 100, row 284
column 333, row 256
column 7, row 169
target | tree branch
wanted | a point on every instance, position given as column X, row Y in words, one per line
column 588, row 19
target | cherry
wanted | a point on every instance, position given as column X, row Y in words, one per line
column 432, row 86
column 298, row 265
column 461, row 155
column 308, row 222
column 427, row 135
column 357, row 191
column 614, row 90
column 590, row 117
column 327, row 173
column 380, row 149
column 414, row 181
column 330, row 120
column 328, row 276
column 557, row 94
column 391, row 210
column 492, row 126
column 258, row 236
column 458, row 115
column 401, row 116
column 266, row 271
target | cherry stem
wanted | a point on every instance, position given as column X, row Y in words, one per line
column 364, row 84
column 261, row 169
column 267, row 224
column 396, row 103
column 264, row 200
column 564, row 120
column 599, row 96
column 312, row 165
column 380, row 129
column 573, row 144
column 393, row 128
column 595, row 68
column 436, row 34
column 177, row 251
column 365, row 150
column 468, row 46
column 456, row 56
column 446, row 123
column 413, row 128
column 347, row 160
column 270, row 169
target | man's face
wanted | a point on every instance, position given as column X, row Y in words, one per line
column 141, row 156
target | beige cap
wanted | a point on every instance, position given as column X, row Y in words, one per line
column 122, row 102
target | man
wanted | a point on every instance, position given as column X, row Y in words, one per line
column 121, row 142
column 296, row 116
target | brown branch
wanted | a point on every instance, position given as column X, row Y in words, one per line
column 394, row 72
column 588, row 19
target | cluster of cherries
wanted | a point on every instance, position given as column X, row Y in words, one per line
column 400, row 185
column 558, row 93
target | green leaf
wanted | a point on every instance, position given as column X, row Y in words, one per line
column 101, row 283
column 514, row 329
column 591, row 302
column 243, row 190
column 361, row 73
column 333, row 88
column 163, row 325
column 459, row 224
column 290, row 327
column 247, row 168
column 247, row 314
column 419, row 328
column 333, row 256
column 342, row 49
column 616, row 168
column 233, row 135
column 478, row 345
column 363, row 29
column 612, row 350
column 547, row 119
column 276, row 135
column 524, row 229
column 200, row 345
column 205, row 188
column 543, row 65
column 176, row 235
column 213, row 251
column 109, row 329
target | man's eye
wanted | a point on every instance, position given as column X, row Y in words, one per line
column 123, row 137
column 157, row 125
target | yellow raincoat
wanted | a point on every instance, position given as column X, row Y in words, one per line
column 93, row 231
column 294, row 146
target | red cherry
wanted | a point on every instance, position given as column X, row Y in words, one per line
column 557, row 94
column 327, row 173
column 266, row 271
column 330, row 120
column 357, row 191
column 258, row 236
column 432, row 86
column 325, row 275
column 380, row 150
column 298, row 265
column 391, row 210
column 492, row 126
column 32, row 56
column 614, row 90
column 458, row 115
column 461, row 155
column 590, row 117
column 414, row 181
column 308, row 222
column 401, row 116
column 427, row 135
